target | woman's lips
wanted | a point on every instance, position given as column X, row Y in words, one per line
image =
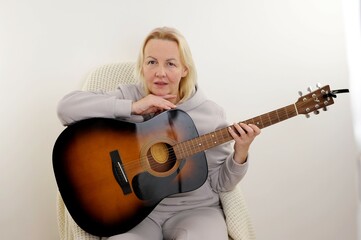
column 160, row 83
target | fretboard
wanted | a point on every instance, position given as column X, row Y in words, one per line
column 209, row 140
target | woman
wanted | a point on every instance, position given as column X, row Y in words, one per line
column 167, row 77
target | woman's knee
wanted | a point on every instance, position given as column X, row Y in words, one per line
column 203, row 223
column 145, row 230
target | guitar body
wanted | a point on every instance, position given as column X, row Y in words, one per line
column 111, row 174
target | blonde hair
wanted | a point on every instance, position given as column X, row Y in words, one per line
column 188, row 82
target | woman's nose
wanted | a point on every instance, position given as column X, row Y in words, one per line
column 160, row 72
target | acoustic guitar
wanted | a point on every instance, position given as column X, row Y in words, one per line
column 111, row 174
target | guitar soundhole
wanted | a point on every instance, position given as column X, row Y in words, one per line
column 161, row 157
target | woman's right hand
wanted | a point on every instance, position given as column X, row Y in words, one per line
column 153, row 104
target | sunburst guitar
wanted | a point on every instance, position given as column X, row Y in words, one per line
column 111, row 174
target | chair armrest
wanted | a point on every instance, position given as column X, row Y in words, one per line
column 68, row 229
column 237, row 216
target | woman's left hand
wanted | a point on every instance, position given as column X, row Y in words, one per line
column 243, row 135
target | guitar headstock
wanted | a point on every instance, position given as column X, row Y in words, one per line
column 313, row 101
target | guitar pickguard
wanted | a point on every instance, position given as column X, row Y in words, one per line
column 153, row 189
column 144, row 185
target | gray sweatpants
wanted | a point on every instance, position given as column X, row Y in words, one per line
column 201, row 223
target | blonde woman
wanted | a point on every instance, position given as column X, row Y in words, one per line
column 168, row 80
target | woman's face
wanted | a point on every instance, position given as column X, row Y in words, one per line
column 162, row 67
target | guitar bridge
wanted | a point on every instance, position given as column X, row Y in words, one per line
column 119, row 173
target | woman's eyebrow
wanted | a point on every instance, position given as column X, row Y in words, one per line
column 171, row 59
column 168, row 59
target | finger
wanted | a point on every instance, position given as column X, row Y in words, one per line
column 233, row 133
column 244, row 130
column 247, row 128
column 169, row 96
column 163, row 101
column 165, row 104
column 255, row 128
column 241, row 131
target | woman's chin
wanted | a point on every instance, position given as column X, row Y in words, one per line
column 160, row 92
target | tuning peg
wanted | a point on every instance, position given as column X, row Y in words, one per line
column 318, row 85
column 324, row 109
column 316, row 112
column 309, row 89
column 300, row 93
column 307, row 115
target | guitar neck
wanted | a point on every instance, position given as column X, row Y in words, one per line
column 209, row 140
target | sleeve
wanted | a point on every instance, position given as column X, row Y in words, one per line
column 226, row 175
column 224, row 172
column 79, row 105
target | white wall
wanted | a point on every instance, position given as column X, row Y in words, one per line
column 252, row 57
column 352, row 19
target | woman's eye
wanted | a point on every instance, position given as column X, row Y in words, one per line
column 151, row 62
column 171, row 64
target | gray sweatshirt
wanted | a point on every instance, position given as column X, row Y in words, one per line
column 223, row 172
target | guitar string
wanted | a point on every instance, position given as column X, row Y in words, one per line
column 261, row 121
column 183, row 147
column 186, row 145
column 266, row 121
column 172, row 157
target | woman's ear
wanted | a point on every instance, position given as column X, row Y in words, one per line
column 185, row 72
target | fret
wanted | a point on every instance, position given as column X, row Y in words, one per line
column 269, row 118
column 291, row 111
column 273, row 117
column 265, row 120
column 282, row 114
column 278, row 117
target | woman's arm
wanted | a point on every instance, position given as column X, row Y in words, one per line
column 79, row 105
